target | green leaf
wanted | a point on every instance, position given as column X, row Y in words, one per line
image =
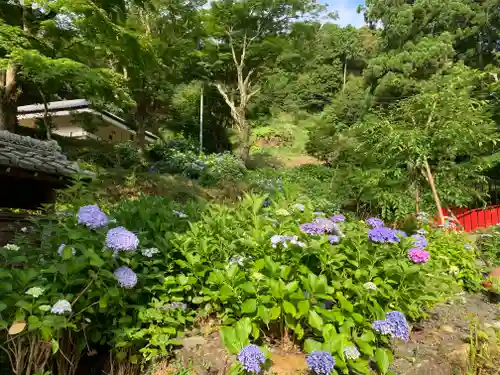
column 33, row 322
column 3, row 306
column 315, row 320
column 289, row 308
column 264, row 314
column 344, row 303
column 383, row 357
column 303, row 307
column 248, row 287
column 291, row 287
column 243, row 329
column 249, row 306
column 311, row 345
column 228, row 335
column 55, row 346
column 198, row 300
column 275, row 312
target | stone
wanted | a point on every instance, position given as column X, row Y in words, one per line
column 191, row 342
column 447, row 329
column 459, row 355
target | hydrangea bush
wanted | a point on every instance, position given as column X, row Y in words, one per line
column 133, row 278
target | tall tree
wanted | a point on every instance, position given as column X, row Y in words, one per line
column 242, row 37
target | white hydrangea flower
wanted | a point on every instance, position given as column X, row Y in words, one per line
column 454, row 270
column 150, row 252
column 35, row 292
column 11, row 247
column 369, row 286
column 24, row 229
column 61, row 306
column 180, row 214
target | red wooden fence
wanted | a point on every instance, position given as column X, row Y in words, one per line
column 476, row 218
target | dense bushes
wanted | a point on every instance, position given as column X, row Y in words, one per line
column 274, row 266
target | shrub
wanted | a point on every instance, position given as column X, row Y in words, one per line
column 275, row 266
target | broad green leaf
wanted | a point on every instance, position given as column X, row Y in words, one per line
column 311, row 345
column 249, row 306
column 315, row 320
column 228, row 335
column 303, row 308
column 383, row 358
column 275, row 312
column 289, row 308
column 55, row 346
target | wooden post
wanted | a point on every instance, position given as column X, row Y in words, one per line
column 434, row 191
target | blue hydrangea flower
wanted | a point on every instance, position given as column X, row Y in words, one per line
column 266, row 203
column 382, row 326
column 419, row 241
column 395, row 325
column 320, row 362
column 338, row 218
column 318, row 213
column 61, row 249
column 126, row 277
column 333, row 239
column 400, row 233
column 60, row 307
column 384, row 235
column 374, row 222
column 251, row 358
column 120, row 239
column 92, row 217
column 351, row 352
column 468, row 247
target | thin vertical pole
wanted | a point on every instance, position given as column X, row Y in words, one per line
column 201, row 119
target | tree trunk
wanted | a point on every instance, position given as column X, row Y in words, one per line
column 8, row 99
column 345, row 74
column 141, row 114
column 244, row 138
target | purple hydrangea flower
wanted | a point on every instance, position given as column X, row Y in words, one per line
column 311, row 228
column 318, row 213
column 61, row 249
column 251, row 358
column 395, row 325
column 419, row 241
column 120, row 239
column 351, row 352
column 320, row 362
column 60, row 307
column 327, row 225
column 126, row 277
column 384, row 235
column 92, row 217
column 417, row 255
column 338, row 218
column 333, row 239
column 374, row 222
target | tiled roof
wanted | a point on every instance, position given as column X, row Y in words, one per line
column 54, row 106
column 34, row 155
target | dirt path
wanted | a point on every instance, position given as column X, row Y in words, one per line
column 458, row 338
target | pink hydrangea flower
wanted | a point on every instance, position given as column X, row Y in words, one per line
column 418, row 255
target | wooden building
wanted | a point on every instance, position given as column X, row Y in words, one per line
column 30, row 172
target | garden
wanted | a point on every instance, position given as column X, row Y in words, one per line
column 122, row 285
